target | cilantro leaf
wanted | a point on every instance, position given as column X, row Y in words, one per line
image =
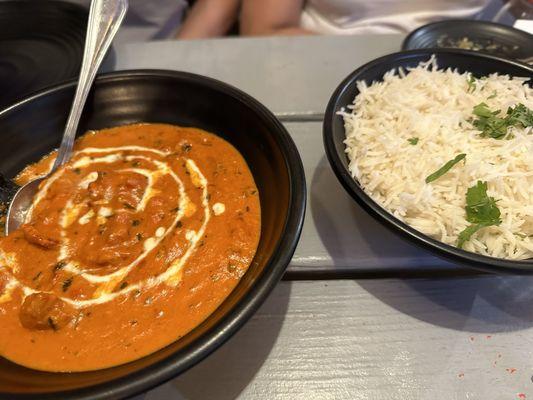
column 481, row 211
column 413, row 140
column 480, row 207
column 492, row 125
column 471, row 81
column 467, row 233
column 482, row 110
column 445, row 168
column 519, row 115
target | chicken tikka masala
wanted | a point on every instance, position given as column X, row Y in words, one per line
column 126, row 248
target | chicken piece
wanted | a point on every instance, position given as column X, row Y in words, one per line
column 115, row 245
column 131, row 191
column 103, row 188
column 118, row 228
column 43, row 311
column 33, row 236
column 111, row 255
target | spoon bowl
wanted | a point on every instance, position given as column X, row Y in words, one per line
column 20, row 204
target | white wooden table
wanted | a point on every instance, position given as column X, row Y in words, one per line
column 344, row 325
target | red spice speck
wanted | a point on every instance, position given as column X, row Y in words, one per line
column 511, row 370
column 521, row 396
column 495, row 362
column 461, row 375
column 472, row 338
column 489, row 336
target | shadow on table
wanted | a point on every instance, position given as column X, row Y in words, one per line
column 484, row 304
column 349, row 233
column 229, row 370
column 478, row 304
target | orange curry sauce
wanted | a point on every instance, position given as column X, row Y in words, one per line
column 127, row 248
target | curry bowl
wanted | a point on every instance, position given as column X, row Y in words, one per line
column 34, row 126
column 334, row 136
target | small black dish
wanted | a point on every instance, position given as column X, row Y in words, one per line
column 495, row 39
column 33, row 127
column 41, row 43
column 334, row 136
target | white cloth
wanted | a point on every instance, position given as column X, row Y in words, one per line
column 382, row 16
column 525, row 25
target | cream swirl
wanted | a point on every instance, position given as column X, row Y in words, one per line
column 107, row 288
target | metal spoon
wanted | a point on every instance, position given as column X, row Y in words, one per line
column 105, row 17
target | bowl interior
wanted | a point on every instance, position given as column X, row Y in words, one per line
column 334, row 136
column 34, row 128
column 506, row 41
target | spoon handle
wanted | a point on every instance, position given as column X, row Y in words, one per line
column 105, row 17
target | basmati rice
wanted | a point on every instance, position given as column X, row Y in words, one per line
column 435, row 106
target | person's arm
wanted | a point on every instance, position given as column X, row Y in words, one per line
column 209, row 18
column 271, row 17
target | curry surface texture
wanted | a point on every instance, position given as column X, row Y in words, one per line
column 127, row 248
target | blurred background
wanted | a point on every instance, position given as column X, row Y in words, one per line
column 35, row 32
column 194, row 19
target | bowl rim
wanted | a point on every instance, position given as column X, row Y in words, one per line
column 469, row 259
column 407, row 42
column 177, row 363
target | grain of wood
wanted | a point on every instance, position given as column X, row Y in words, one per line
column 375, row 339
column 290, row 74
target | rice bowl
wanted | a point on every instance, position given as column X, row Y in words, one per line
column 403, row 129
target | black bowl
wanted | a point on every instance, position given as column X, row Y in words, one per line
column 508, row 42
column 32, row 33
column 334, row 136
column 33, row 127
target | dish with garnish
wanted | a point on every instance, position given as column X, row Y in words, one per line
column 143, row 233
column 438, row 144
column 481, row 36
column 154, row 243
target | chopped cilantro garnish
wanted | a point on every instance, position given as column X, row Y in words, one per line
column 520, row 115
column 59, row 265
column 479, row 206
column 413, row 140
column 467, row 233
column 66, row 284
column 481, row 211
column 51, row 323
column 482, row 110
column 471, row 81
column 492, row 125
column 445, row 168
